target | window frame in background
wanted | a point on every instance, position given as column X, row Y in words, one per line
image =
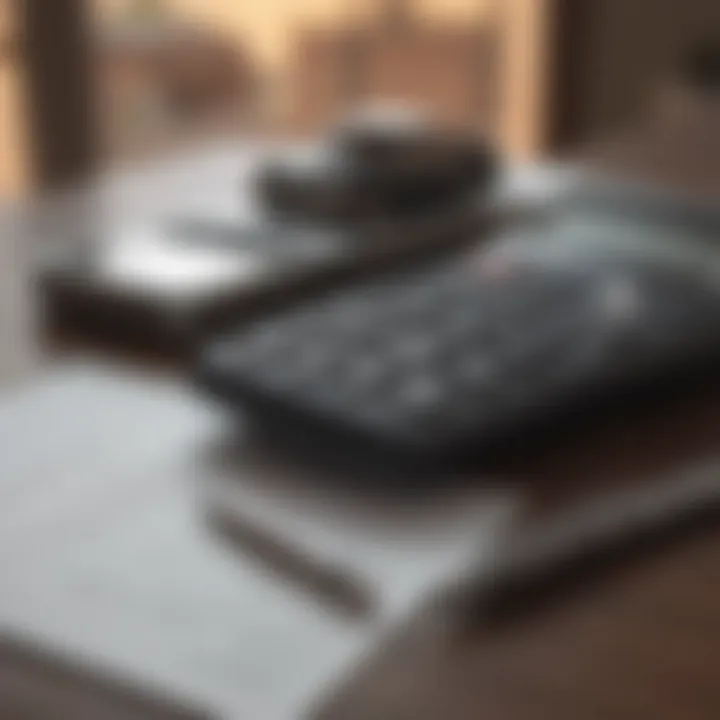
column 64, row 125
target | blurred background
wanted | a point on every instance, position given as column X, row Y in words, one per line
column 90, row 88
column 105, row 82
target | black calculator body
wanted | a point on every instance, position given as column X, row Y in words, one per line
column 614, row 292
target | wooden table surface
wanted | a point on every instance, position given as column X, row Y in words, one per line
column 641, row 642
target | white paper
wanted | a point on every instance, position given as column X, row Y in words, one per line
column 143, row 259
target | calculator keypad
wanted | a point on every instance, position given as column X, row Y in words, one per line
column 434, row 354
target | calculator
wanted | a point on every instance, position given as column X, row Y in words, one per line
column 610, row 293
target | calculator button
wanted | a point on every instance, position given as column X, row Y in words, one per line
column 419, row 399
column 253, row 349
column 474, row 371
column 620, row 299
column 415, row 348
column 461, row 322
column 313, row 360
column 365, row 373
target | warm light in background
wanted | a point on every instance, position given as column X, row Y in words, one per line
column 13, row 168
column 477, row 63
column 269, row 26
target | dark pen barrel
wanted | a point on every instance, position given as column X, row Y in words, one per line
column 582, row 545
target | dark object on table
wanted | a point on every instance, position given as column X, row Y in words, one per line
column 168, row 288
column 381, row 164
column 614, row 294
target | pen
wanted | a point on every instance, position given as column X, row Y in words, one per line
column 582, row 544
column 334, row 585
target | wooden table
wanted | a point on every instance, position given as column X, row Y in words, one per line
column 641, row 642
